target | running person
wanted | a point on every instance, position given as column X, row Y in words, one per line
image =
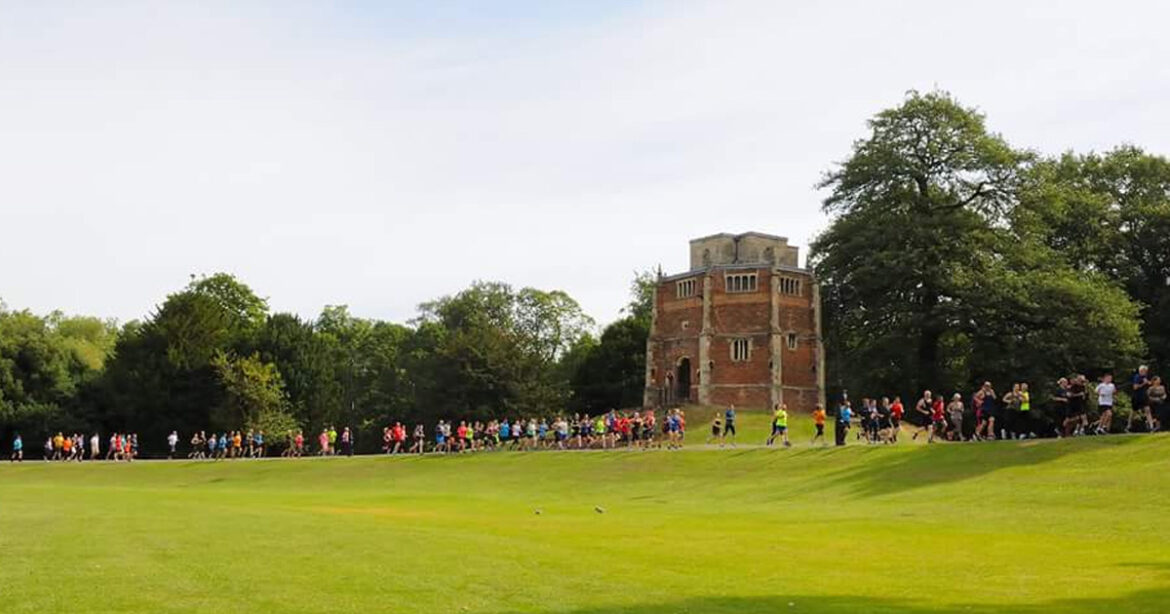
column 17, row 449
column 955, row 411
column 1140, row 385
column 923, row 408
column 938, row 421
column 716, row 428
column 896, row 412
column 819, row 421
column 1105, row 391
column 1158, row 407
column 844, row 418
column 779, row 424
column 729, row 424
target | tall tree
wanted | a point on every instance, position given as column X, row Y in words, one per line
column 929, row 282
column 914, row 205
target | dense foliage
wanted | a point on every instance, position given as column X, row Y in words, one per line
column 952, row 257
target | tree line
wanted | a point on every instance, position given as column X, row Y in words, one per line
column 212, row 356
column 950, row 257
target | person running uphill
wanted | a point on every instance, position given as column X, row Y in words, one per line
column 819, row 421
column 780, row 425
column 844, row 418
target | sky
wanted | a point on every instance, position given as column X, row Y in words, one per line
column 382, row 154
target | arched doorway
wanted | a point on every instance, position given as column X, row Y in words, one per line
column 683, row 380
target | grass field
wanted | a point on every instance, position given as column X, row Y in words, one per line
column 1038, row 526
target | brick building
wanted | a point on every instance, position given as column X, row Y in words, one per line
column 742, row 326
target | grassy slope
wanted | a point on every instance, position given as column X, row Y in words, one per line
column 1017, row 527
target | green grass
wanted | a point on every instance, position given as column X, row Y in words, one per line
column 1070, row 526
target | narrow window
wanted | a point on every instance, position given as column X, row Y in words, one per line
column 740, row 350
column 792, row 341
column 742, row 283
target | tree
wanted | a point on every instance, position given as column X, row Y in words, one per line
column 928, row 278
column 1109, row 214
column 497, row 350
column 160, row 377
column 613, row 373
column 39, row 375
column 914, row 205
column 307, row 363
column 253, row 394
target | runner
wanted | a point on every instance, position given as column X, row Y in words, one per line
column 986, row 412
column 818, row 416
column 729, row 424
column 1075, row 424
column 844, row 418
column 923, row 408
column 896, row 412
column 17, row 455
column 1139, row 403
column 1011, row 413
column 649, row 422
column 1060, row 404
column 780, row 422
column 938, row 421
column 1105, row 391
column 323, row 441
column 172, row 443
column 955, row 414
column 397, row 437
column 874, row 416
column 1027, row 427
column 420, row 438
column 1158, row 406
column 716, row 428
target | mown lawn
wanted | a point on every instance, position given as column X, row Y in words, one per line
column 1038, row 526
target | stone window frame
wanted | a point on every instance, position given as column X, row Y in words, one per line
column 685, row 288
column 790, row 286
column 739, row 283
column 793, row 340
column 740, row 349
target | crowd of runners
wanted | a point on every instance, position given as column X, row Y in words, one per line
column 1075, row 408
column 77, row 448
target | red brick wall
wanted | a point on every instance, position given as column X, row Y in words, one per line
column 741, row 314
column 746, row 397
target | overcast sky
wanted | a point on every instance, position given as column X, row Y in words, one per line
column 380, row 154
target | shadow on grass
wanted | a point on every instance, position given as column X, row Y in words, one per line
column 1152, row 600
column 943, row 463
